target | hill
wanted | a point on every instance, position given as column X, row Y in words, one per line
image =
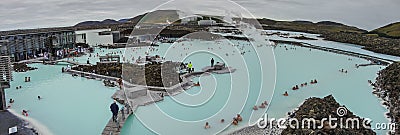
column 309, row 27
column 158, row 16
column 391, row 30
column 96, row 23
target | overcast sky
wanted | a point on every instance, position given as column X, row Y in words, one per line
column 366, row 14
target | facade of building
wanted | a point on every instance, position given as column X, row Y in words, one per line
column 206, row 22
column 95, row 37
column 22, row 46
column 188, row 19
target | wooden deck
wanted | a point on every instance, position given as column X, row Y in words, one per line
column 114, row 128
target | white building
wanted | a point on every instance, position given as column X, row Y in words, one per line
column 94, row 37
column 188, row 19
column 207, row 22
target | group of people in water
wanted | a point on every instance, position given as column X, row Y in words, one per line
column 27, row 79
column 304, row 84
column 235, row 121
column 11, row 101
column 296, row 87
column 263, row 105
column 24, row 112
column 343, row 71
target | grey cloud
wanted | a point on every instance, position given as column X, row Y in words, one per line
column 367, row 14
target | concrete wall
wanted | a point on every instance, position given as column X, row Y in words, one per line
column 137, row 93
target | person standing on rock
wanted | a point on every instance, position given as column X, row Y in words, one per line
column 212, row 62
column 190, row 66
column 114, row 109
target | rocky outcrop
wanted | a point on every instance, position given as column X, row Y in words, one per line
column 22, row 67
column 319, row 108
column 387, row 88
column 370, row 42
column 151, row 74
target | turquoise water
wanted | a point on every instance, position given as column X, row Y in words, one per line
column 81, row 106
column 221, row 96
column 69, row 105
column 293, row 67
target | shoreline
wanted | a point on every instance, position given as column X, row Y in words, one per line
column 383, row 61
column 32, row 124
column 386, row 93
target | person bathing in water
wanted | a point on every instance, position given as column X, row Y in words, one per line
column 235, row 121
column 262, row 105
column 11, row 101
column 285, row 94
column 255, row 108
column 207, row 126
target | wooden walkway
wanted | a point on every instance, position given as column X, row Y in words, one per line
column 114, row 128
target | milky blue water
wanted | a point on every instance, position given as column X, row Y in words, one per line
column 81, row 106
column 294, row 67
column 68, row 106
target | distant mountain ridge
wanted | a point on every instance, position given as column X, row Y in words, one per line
column 94, row 23
column 308, row 26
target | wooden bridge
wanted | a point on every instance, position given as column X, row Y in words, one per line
column 114, row 128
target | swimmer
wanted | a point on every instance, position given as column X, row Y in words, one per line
column 255, row 108
column 262, row 105
column 265, row 103
column 222, row 120
column 20, row 87
column 238, row 117
column 234, row 122
column 285, row 94
column 315, row 80
column 25, row 113
column 39, row 97
column 11, row 100
column 207, row 125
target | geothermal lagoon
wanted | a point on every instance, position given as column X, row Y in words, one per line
column 76, row 105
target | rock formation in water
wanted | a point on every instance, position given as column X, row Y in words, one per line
column 22, row 67
column 319, row 108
